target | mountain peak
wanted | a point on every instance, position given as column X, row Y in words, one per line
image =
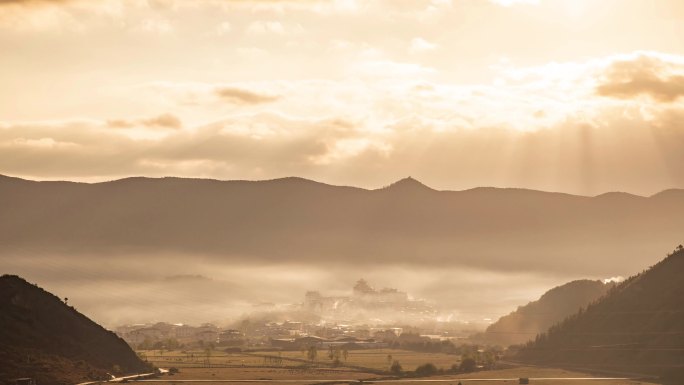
column 408, row 184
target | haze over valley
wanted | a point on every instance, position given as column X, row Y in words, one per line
column 341, row 191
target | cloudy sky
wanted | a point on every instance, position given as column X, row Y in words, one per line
column 581, row 96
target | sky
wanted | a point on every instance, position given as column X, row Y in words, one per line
column 579, row 96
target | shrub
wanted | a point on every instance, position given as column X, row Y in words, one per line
column 468, row 365
column 426, row 369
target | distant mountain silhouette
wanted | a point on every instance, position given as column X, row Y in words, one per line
column 43, row 338
column 536, row 317
column 637, row 327
column 408, row 185
column 298, row 220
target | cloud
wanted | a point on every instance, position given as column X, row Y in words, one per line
column 163, row 121
column 619, row 148
column 374, row 125
column 261, row 27
column 616, row 279
column 33, row 2
column 508, row 3
column 419, row 45
column 155, row 25
column 244, row 97
column 643, row 75
column 223, row 28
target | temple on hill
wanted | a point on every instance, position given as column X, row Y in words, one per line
column 364, row 298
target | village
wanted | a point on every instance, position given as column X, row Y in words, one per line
column 363, row 320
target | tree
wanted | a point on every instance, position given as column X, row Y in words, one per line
column 396, row 367
column 171, row 344
column 147, row 344
column 312, row 353
column 207, row 353
column 426, row 369
column 468, row 365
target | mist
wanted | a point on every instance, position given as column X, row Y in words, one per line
column 123, row 289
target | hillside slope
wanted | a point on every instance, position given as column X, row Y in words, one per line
column 43, row 338
column 303, row 221
column 638, row 327
column 536, row 317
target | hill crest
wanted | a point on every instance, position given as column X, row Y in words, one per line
column 44, row 338
column 637, row 326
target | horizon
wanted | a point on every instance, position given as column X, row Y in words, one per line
column 294, row 177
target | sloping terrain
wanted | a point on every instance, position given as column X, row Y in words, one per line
column 43, row 338
column 536, row 317
column 637, row 327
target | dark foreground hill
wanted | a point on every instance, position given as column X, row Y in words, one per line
column 637, row 327
column 43, row 338
column 536, row 317
column 303, row 221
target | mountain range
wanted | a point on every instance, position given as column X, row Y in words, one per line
column 299, row 220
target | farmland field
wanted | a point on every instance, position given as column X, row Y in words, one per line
column 538, row 376
column 372, row 359
column 367, row 365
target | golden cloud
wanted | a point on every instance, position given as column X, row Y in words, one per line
column 242, row 96
column 643, row 75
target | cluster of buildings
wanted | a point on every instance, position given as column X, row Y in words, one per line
column 366, row 303
column 148, row 335
column 288, row 335
column 364, row 319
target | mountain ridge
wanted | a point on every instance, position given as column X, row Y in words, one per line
column 44, row 338
column 305, row 221
column 399, row 182
column 539, row 315
column 637, row 326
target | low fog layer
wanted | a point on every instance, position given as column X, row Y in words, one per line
column 187, row 289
